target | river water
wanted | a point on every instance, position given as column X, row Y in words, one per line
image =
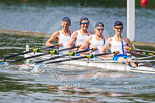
column 69, row 83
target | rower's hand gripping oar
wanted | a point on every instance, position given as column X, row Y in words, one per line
column 50, row 52
column 69, row 54
column 81, row 57
column 26, row 52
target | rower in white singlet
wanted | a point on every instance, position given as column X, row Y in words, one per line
column 119, row 44
column 97, row 44
column 97, row 40
column 62, row 36
column 79, row 36
column 63, row 39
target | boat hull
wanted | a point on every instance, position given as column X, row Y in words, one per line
column 98, row 63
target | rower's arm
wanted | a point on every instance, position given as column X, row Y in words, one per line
column 52, row 38
column 106, row 46
column 129, row 43
column 72, row 39
column 106, row 36
column 133, row 52
column 85, row 43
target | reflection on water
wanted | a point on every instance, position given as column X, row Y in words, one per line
column 46, row 86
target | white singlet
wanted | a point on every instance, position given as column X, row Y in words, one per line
column 80, row 38
column 117, row 46
column 63, row 39
column 97, row 43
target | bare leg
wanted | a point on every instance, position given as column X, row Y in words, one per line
column 129, row 59
column 122, row 59
column 132, row 63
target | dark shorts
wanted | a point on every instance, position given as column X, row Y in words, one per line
column 116, row 57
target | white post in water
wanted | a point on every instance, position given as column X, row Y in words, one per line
column 131, row 19
column 27, row 47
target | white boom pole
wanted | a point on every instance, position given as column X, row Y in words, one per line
column 131, row 19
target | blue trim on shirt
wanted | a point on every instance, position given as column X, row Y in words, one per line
column 88, row 45
column 123, row 48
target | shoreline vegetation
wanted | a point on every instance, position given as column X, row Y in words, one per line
column 82, row 3
column 40, row 34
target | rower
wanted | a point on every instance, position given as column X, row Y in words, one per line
column 119, row 44
column 79, row 36
column 62, row 36
column 96, row 41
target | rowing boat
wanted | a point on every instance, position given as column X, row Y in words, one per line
column 98, row 63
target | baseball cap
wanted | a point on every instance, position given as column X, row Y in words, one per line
column 83, row 18
column 118, row 23
column 66, row 19
column 99, row 24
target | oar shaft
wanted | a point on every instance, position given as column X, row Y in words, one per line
column 15, row 55
column 27, row 58
column 68, row 48
column 76, row 58
column 153, row 56
column 26, row 52
column 111, row 61
column 39, row 55
column 66, row 60
column 55, row 57
column 52, row 58
column 145, row 52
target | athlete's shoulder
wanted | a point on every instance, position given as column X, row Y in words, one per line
column 90, row 32
column 109, row 39
column 57, row 32
column 126, row 39
column 90, row 37
column 74, row 32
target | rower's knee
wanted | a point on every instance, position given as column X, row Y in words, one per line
column 129, row 59
column 121, row 59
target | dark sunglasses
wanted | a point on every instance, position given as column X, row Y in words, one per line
column 84, row 23
column 99, row 29
column 119, row 28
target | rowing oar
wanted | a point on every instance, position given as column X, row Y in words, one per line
column 34, row 50
column 145, row 52
column 81, row 57
column 110, row 61
column 50, row 52
column 148, row 57
column 69, row 54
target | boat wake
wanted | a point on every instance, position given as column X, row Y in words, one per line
column 38, row 69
